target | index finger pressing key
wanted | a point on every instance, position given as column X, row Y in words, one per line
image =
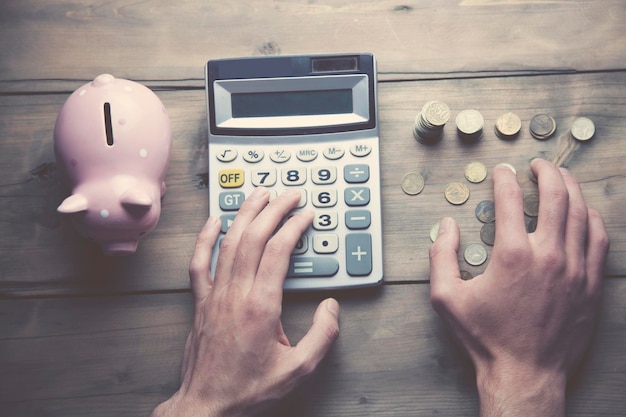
column 274, row 263
column 509, row 204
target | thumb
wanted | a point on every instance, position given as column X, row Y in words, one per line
column 444, row 266
column 321, row 336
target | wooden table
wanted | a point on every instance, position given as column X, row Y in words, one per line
column 82, row 334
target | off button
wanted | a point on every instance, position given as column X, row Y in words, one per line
column 231, row 178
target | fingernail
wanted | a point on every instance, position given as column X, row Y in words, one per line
column 333, row 307
column 443, row 225
column 509, row 166
column 564, row 171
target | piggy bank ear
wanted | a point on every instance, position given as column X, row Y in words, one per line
column 136, row 197
column 73, row 204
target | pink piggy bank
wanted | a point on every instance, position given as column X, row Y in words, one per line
column 112, row 141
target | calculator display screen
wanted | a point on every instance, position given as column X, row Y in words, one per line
column 291, row 103
column 294, row 104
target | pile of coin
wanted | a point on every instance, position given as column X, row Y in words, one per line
column 508, row 126
column 430, row 122
column 486, row 213
column 542, row 126
column 469, row 125
column 428, row 129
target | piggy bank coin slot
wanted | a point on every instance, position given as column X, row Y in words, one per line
column 108, row 126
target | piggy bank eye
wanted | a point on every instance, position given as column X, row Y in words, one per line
column 108, row 126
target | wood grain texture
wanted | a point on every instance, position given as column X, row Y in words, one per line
column 120, row 355
column 81, row 334
column 30, row 189
column 160, row 40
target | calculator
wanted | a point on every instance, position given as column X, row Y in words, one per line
column 307, row 122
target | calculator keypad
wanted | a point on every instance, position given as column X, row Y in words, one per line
column 336, row 184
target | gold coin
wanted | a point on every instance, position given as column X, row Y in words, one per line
column 436, row 113
column 412, row 183
column 508, row 126
column 456, row 193
column 531, row 205
column 434, row 232
column 475, row 172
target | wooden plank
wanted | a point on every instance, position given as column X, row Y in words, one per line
column 119, row 356
column 73, row 40
column 40, row 252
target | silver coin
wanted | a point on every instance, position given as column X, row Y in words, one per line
column 542, row 126
column 469, row 124
column 466, row 275
column 412, row 183
column 486, row 211
column 425, row 133
column 583, row 129
column 531, row 205
column 488, row 233
column 475, row 254
column 531, row 225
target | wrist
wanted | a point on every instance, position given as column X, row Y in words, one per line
column 509, row 390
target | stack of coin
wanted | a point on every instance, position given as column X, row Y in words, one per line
column 469, row 125
column 508, row 126
column 542, row 126
column 430, row 121
column 583, row 129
